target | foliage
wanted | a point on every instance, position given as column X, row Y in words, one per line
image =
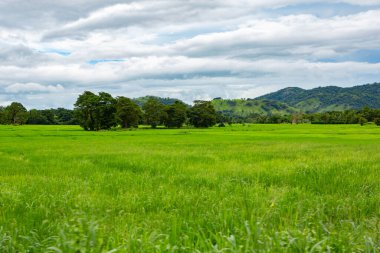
column 202, row 114
column 128, row 113
column 154, row 112
column 106, row 110
column 2, row 115
column 329, row 98
column 176, row 114
column 362, row 121
column 245, row 108
column 64, row 116
column 15, row 114
column 95, row 112
column 59, row 116
column 165, row 101
column 377, row 121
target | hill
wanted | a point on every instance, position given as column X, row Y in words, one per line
column 330, row 98
column 166, row 101
column 246, row 107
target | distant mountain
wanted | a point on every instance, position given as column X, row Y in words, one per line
column 166, row 101
column 330, row 98
column 246, row 107
column 293, row 99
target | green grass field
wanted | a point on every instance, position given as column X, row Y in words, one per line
column 254, row 188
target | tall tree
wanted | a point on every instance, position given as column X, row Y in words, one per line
column 127, row 112
column 106, row 111
column 16, row 114
column 176, row 114
column 95, row 112
column 86, row 111
column 154, row 112
column 202, row 114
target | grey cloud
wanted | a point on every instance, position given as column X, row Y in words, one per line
column 20, row 55
column 33, row 88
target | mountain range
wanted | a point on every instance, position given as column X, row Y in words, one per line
column 294, row 99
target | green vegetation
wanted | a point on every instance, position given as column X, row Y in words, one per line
column 102, row 112
column 252, row 188
column 244, row 108
column 128, row 113
column 331, row 98
column 59, row 116
column 14, row 114
column 176, row 114
column 154, row 112
column 202, row 114
column 327, row 105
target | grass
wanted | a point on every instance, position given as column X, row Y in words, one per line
column 253, row 188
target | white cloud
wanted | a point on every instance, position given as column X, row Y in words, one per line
column 32, row 87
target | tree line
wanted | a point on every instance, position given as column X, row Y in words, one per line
column 17, row 114
column 361, row 117
column 102, row 111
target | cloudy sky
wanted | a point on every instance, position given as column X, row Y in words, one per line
column 51, row 51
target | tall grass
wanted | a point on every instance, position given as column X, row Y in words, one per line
column 254, row 188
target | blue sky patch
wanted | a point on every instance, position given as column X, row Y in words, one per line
column 96, row 61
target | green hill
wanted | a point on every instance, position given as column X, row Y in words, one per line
column 246, row 107
column 330, row 98
column 166, row 101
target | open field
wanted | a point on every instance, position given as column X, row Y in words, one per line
column 254, row 188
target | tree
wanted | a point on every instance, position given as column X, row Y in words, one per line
column 85, row 110
column 106, row 111
column 377, row 121
column 2, row 115
column 362, row 121
column 154, row 112
column 64, row 116
column 176, row 114
column 127, row 112
column 37, row 118
column 95, row 112
column 202, row 114
column 16, row 114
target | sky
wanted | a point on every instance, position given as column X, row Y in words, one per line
column 52, row 51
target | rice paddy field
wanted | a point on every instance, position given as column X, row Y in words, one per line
column 252, row 188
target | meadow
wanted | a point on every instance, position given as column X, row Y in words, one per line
column 252, row 188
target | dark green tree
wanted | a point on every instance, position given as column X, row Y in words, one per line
column 106, row 111
column 176, row 114
column 128, row 112
column 202, row 114
column 377, row 121
column 64, row 116
column 95, row 112
column 2, row 115
column 86, row 111
column 16, row 114
column 37, row 118
column 154, row 112
column 362, row 121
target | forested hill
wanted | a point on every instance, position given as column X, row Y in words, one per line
column 247, row 107
column 329, row 98
column 165, row 101
column 293, row 99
